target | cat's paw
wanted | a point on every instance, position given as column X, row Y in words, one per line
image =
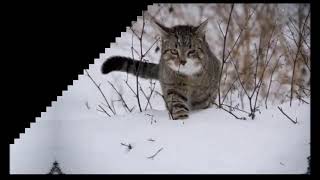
column 180, row 116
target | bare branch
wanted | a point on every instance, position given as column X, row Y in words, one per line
column 223, row 53
column 232, row 107
column 147, row 97
column 103, row 110
column 87, row 105
column 129, row 146
column 228, row 90
column 153, row 156
column 220, row 106
column 294, row 122
column 104, row 97
column 151, row 47
column 272, row 72
column 121, row 98
column 300, row 38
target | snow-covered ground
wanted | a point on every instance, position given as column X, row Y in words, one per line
column 210, row 141
column 84, row 140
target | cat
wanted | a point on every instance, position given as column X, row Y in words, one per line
column 188, row 71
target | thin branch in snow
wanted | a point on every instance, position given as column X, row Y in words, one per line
column 121, row 98
column 130, row 88
column 103, row 110
column 241, row 118
column 151, row 140
column 223, row 52
column 299, row 97
column 147, row 97
column 235, row 108
column 153, row 156
column 151, row 47
column 299, row 44
column 269, row 86
column 294, row 122
column 87, row 105
column 104, row 97
column 152, row 118
column 129, row 146
column 230, row 88
column 224, row 56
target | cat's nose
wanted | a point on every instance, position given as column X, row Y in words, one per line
column 183, row 62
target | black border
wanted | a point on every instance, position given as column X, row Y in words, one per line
column 70, row 36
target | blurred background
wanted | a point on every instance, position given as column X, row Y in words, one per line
column 265, row 48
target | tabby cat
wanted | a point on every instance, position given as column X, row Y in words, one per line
column 188, row 71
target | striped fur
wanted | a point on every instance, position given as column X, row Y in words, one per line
column 124, row 64
column 188, row 71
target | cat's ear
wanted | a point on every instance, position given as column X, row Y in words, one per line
column 201, row 29
column 163, row 30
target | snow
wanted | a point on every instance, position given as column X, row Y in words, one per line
column 85, row 141
column 210, row 141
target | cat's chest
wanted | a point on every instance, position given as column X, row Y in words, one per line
column 194, row 81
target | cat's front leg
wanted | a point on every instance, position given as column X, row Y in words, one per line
column 177, row 104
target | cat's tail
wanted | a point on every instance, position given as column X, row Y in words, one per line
column 125, row 64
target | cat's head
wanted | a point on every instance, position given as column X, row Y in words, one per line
column 183, row 47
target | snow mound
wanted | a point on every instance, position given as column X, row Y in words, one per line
column 210, row 141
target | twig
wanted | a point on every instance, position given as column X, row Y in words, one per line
column 121, row 98
column 152, row 118
column 129, row 146
column 103, row 110
column 297, row 44
column 228, row 91
column 147, row 97
column 104, row 97
column 140, row 38
column 87, row 105
column 304, row 25
column 151, row 47
column 223, row 53
column 300, row 98
column 241, row 118
column 135, row 94
column 232, row 107
column 272, row 72
column 296, row 57
column 294, row 122
column 225, row 58
column 152, row 157
column 152, row 140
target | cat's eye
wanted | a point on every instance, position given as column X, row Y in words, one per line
column 191, row 52
column 174, row 51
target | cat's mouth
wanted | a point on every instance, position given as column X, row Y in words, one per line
column 188, row 67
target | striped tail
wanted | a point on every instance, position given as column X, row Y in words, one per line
column 124, row 64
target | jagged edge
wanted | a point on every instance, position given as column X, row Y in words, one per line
column 52, row 103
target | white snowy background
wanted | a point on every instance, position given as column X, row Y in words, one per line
column 83, row 140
